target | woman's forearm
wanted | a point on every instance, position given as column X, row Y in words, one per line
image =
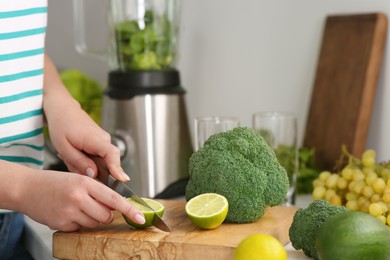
column 13, row 180
column 55, row 95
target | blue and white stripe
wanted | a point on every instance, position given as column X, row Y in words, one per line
column 22, row 37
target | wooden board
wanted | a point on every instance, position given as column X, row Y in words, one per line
column 345, row 83
column 186, row 241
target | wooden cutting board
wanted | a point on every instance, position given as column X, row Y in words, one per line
column 345, row 85
column 119, row 241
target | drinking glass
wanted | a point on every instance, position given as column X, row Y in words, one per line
column 279, row 129
column 209, row 125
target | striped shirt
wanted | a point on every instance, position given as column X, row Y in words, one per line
column 22, row 37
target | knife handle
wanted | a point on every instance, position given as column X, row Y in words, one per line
column 103, row 172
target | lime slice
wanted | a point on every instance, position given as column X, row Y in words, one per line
column 149, row 214
column 207, row 210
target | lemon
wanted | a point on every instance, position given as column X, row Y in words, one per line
column 260, row 246
column 207, row 210
column 148, row 213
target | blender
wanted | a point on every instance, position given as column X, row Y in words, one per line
column 143, row 104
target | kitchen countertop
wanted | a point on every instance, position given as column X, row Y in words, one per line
column 38, row 237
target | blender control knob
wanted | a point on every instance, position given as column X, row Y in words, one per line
column 119, row 142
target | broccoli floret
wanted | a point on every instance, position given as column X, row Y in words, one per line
column 306, row 223
column 241, row 166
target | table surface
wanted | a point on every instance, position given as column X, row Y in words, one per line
column 38, row 237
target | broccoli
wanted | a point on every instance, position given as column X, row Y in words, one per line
column 306, row 223
column 150, row 47
column 240, row 165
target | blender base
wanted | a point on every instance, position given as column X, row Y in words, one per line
column 174, row 190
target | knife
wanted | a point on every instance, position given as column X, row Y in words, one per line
column 120, row 187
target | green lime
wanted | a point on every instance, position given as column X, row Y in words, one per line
column 260, row 246
column 207, row 210
column 148, row 213
column 352, row 235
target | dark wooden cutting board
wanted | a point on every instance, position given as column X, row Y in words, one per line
column 345, row 85
column 119, row 241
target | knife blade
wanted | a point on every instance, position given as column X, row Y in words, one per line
column 120, row 187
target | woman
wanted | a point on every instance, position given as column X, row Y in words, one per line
column 31, row 91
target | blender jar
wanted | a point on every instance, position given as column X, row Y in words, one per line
column 143, row 34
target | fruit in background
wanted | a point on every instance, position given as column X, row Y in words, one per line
column 85, row 90
column 260, row 246
column 353, row 235
column 360, row 184
column 148, row 213
column 208, row 210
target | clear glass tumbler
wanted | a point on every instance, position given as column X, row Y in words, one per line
column 279, row 129
column 209, row 125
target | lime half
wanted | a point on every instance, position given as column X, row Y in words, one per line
column 207, row 210
column 149, row 214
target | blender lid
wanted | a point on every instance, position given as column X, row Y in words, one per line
column 125, row 85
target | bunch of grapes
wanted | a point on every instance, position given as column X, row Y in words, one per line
column 362, row 185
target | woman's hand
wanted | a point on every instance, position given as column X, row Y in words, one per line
column 68, row 201
column 73, row 133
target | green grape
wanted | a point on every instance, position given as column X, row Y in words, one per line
column 382, row 219
column 358, row 174
column 335, row 200
column 384, row 206
column 368, row 191
column 318, row 183
column 331, row 181
column 347, row 173
column 368, row 158
column 351, row 185
column 364, row 206
column 324, row 175
column 358, row 187
column 318, row 193
column 352, row 205
column 362, row 200
column 371, row 177
column 342, row 183
column 329, row 193
column 379, row 185
column 376, row 197
column 375, row 209
column 351, row 196
column 386, row 197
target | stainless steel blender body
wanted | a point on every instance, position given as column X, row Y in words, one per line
column 152, row 123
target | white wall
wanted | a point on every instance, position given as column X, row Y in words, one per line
column 243, row 56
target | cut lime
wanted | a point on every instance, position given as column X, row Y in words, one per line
column 207, row 210
column 149, row 214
